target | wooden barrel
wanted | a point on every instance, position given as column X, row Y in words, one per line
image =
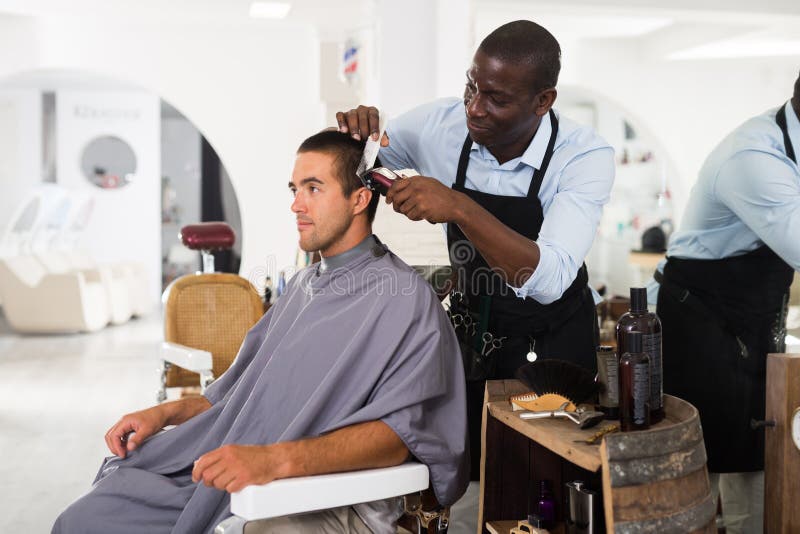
column 655, row 481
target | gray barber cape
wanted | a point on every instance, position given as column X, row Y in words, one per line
column 360, row 337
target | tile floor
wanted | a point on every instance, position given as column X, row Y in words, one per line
column 58, row 396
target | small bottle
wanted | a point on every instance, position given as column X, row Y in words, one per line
column 281, row 287
column 267, row 291
column 537, row 524
column 608, row 378
column 547, row 505
column 634, row 385
column 648, row 323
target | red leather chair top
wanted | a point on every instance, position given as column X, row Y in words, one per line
column 208, row 236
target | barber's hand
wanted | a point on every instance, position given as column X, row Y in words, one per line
column 361, row 122
column 130, row 431
column 232, row 467
column 422, row 197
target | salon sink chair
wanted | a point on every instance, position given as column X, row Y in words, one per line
column 206, row 315
column 299, row 495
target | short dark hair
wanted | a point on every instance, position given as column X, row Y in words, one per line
column 525, row 42
column 347, row 153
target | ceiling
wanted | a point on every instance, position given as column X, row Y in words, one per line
column 673, row 29
column 317, row 12
column 677, row 29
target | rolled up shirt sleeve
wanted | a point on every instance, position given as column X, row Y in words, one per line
column 570, row 224
column 763, row 190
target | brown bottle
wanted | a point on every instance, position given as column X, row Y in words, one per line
column 608, row 379
column 640, row 320
column 634, row 385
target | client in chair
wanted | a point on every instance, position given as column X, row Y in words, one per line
column 356, row 366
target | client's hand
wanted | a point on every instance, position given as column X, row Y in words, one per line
column 232, row 467
column 130, row 431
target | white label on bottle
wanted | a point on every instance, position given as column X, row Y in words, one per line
column 651, row 344
column 641, row 392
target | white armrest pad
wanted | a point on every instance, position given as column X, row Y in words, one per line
column 190, row 359
column 306, row 494
column 792, row 344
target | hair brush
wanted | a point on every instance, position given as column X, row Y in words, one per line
column 555, row 382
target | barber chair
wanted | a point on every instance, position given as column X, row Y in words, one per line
column 206, row 315
column 38, row 302
column 299, row 495
column 46, row 245
column 128, row 276
column 34, row 300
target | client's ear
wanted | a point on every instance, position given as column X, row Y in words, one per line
column 362, row 198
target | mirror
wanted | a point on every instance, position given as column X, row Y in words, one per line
column 108, row 162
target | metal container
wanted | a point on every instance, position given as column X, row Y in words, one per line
column 582, row 509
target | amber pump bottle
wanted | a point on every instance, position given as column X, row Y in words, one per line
column 648, row 323
column 634, row 385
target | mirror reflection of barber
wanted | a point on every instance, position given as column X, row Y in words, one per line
column 723, row 297
column 521, row 189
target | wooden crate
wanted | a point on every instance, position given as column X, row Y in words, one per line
column 652, row 481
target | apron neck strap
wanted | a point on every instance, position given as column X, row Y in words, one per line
column 780, row 118
column 463, row 161
column 538, row 176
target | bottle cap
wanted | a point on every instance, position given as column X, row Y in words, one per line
column 633, row 342
column 638, row 299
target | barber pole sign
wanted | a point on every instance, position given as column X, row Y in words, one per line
column 349, row 69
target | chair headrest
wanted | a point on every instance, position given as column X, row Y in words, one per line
column 208, row 236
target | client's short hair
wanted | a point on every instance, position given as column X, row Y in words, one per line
column 347, row 155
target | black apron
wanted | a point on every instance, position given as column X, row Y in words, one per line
column 720, row 319
column 565, row 329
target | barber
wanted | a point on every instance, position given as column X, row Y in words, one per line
column 724, row 293
column 521, row 190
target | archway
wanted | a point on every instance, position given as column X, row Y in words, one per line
column 59, row 123
column 642, row 198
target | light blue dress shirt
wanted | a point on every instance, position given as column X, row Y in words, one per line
column 575, row 187
column 746, row 195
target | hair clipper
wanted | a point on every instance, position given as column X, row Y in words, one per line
column 379, row 179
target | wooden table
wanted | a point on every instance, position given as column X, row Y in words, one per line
column 518, row 453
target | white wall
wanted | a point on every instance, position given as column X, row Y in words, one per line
column 689, row 106
column 252, row 89
column 126, row 221
column 20, row 148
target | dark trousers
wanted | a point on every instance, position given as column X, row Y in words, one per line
column 723, row 378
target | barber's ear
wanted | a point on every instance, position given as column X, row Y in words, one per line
column 544, row 100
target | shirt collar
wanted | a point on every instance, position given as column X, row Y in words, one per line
column 369, row 244
column 534, row 154
column 793, row 126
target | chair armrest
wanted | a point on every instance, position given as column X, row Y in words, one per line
column 188, row 358
column 792, row 344
column 307, row 494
